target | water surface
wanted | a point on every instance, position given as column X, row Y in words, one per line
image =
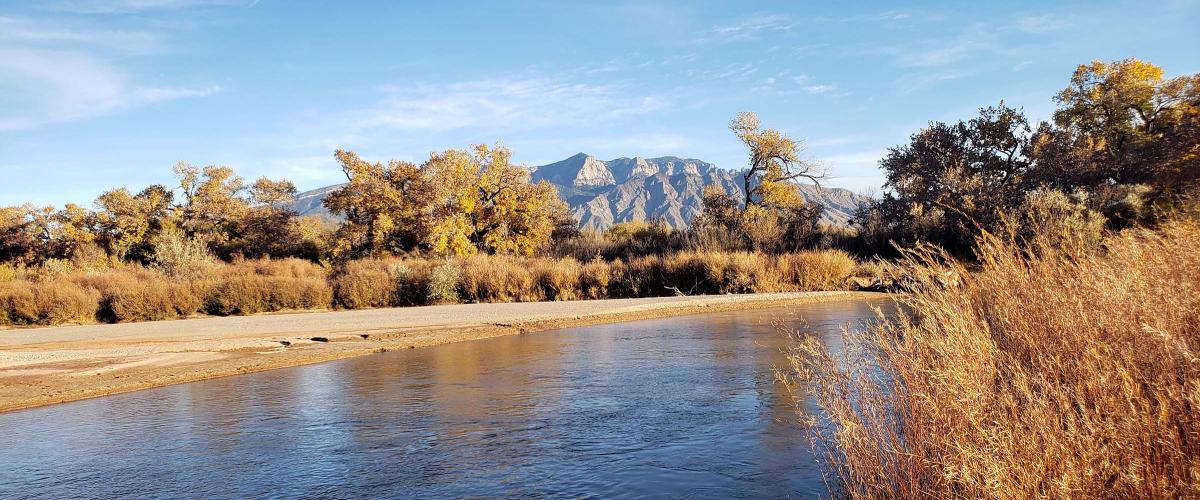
column 677, row 407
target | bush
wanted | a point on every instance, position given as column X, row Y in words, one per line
column 256, row 294
column 744, row 273
column 818, row 269
column 180, row 256
column 61, row 302
column 1069, row 371
column 147, row 301
column 499, row 279
column 133, row 293
column 363, row 284
column 443, row 283
column 17, row 304
column 411, row 280
column 594, row 279
column 46, row 303
column 559, row 278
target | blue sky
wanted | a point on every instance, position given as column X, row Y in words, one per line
column 102, row 93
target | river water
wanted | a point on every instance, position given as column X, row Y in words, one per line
column 677, row 407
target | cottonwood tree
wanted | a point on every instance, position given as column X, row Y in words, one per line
column 19, row 239
column 385, row 207
column 127, row 223
column 1129, row 124
column 775, row 162
column 487, row 204
column 269, row 226
column 213, row 204
column 773, row 215
column 74, row 230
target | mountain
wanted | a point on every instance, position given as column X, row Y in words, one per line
column 603, row 193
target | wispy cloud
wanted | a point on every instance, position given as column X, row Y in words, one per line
column 62, row 70
column 753, row 27
column 502, row 105
column 58, row 86
column 46, row 33
column 135, row 6
column 794, row 84
column 738, row 71
column 922, row 80
column 820, row 89
column 1043, row 23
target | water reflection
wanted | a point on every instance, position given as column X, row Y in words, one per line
column 673, row 407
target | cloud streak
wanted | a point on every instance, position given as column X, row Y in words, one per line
column 135, row 6
column 753, row 27
column 502, row 105
column 63, row 86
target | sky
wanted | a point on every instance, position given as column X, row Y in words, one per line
column 96, row 94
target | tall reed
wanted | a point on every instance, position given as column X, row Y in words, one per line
column 1057, row 369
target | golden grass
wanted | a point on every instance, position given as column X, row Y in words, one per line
column 1063, row 371
column 71, row 292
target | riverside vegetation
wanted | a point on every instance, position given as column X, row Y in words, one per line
column 1062, row 358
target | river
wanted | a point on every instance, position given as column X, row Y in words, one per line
column 676, row 407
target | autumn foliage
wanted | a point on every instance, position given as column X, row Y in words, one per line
column 1059, row 369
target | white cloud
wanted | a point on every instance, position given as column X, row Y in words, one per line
column 134, row 6
column 753, row 27
column 820, row 89
column 1043, row 23
column 501, row 105
column 62, row 86
column 22, row 31
column 913, row 82
column 738, row 71
column 58, row 70
column 158, row 94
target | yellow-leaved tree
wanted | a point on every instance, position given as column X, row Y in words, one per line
column 773, row 215
column 487, row 204
column 385, row 207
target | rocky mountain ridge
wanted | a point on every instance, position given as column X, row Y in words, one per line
column 602, row 193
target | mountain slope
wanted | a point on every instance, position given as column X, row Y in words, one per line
column 603, row 193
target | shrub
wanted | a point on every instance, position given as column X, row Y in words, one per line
column 287, row 268
column 180, row 256
column 1065, row 371
column 641, row 277
column 559, row 278
column 443, row 283
column 362, row 284
column 256, row 294
column 498, row 279
column 134, row 293
column 744, row 272
column 142, row 301
column 1053, row 214
column 594, row 279
column 8, row 272
column 411, row 281
column 818, row 269
column 687, row 273
column 17, row 304
column 62, row 301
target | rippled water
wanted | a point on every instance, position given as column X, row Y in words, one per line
column 680, row 407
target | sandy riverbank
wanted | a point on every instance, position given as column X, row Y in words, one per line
column 43, row 366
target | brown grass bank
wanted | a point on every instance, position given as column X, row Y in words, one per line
column 1066, row 371
column 78, row 292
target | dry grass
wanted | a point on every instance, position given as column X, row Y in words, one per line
column 72, row 292
column 1064, row 371
column 46, row 303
